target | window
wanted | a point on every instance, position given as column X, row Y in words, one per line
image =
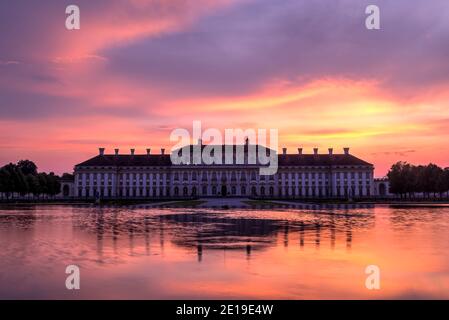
column 253, row 191
column 253, row 176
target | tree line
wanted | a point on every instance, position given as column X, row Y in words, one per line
column 22, row 179
column 408, row 180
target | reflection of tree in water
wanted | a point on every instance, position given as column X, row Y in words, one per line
column 406, row 217
column 17, row 235
column 21, row 217
column 18, row 221
column 204, row 231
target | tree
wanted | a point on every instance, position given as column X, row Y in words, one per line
column 14, row 180
column 43, row 183
column 443, row 182
column 27, row 167
column 400, row 176
column 409, row 179
column 430, row 177
column 21, row 183
column 5, row 182
column 54, row 186
column 33, row 184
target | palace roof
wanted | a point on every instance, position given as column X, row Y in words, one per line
column 141, row 160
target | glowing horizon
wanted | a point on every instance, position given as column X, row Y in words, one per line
column 138, row 69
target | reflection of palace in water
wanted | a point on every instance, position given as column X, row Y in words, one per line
column 208, row 230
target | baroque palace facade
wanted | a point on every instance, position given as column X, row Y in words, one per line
column 153, row 176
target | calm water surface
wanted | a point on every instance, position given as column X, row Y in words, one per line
column 207, row 253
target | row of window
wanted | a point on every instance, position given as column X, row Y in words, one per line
column 215, row 190
column 289, row 181
column 252, row 176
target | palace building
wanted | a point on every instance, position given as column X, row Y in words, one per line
column 154, row 176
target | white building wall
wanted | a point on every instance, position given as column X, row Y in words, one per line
column 293, row 182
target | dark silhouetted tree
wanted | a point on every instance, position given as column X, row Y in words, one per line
column 407, row 180
column 22, row 179
column 27, row 167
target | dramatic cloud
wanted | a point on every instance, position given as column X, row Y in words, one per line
column 139, row 68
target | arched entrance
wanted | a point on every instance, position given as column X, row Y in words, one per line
column 65, row 190
column 224, row 191
column 382, row 189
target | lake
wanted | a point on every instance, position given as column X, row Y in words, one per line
column 174, row 253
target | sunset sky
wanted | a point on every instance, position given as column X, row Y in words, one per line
column 139, row 68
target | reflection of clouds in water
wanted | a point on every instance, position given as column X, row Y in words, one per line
column 254, row 253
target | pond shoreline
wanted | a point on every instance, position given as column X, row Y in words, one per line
column 231, row 203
